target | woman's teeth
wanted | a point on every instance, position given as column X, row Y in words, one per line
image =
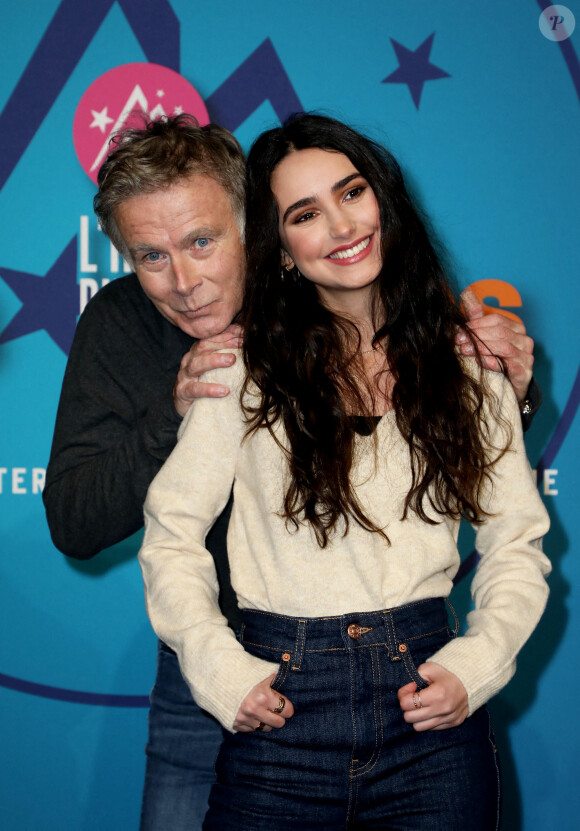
column 350, row 252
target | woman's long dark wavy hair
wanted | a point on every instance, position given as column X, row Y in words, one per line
column 303, row 358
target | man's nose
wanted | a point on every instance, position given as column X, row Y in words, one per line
column 185, row 276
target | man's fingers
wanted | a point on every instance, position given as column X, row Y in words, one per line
column 499, row 338
column 230, row 338
column 195, row 365
column 198, row 389
column 472, row 306
column 496, row 319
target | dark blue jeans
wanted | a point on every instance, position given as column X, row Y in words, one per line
column 347, row 759
column 181, row 751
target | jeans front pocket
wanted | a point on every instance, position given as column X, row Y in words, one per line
column 418, row 649
column 269, row 653
column 278, row 682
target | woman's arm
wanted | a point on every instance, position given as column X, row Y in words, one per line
column 509, row 592
column 181, row 587
column 509, row 589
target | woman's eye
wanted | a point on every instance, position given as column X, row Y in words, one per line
column 354, row 192
column 304, row 217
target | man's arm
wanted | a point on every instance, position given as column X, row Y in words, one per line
column 117, row 422
column 116, row 425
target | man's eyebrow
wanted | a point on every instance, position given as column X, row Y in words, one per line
column 196, row 233
column 308, row 200
column 201, row 232
column 139, row 247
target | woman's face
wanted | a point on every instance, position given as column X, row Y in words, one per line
column 329, row 225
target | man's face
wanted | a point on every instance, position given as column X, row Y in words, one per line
column 187, row 252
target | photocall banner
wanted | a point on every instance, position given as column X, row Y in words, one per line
column 479, row 102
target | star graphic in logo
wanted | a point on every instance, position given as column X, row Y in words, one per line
column 415, row 68
column 101, row 119
column 48, row 303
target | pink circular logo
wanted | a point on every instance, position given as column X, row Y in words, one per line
column 113, row 100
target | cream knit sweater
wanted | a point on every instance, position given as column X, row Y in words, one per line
column 273, row 569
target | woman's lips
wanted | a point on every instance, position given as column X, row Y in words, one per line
column 354, row 253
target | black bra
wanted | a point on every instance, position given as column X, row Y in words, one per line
column 365, row 425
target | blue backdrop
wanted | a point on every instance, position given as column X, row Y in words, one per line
column 480, row 104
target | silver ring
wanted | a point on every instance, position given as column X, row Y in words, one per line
column 414, row 700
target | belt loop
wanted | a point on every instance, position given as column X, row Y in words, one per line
column 456, row 630
column 391, row 637
column 300, row 638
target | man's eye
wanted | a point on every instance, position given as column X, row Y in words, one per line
column 202, row 242
column 152, row 257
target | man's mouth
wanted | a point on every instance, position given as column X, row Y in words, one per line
column 198, row 310
column 347, row 253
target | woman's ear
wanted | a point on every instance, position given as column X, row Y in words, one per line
column 287, row 261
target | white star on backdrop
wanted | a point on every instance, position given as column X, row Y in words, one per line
column 101, row 119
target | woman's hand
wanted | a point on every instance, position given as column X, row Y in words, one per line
column 263, row 708
column 441, row 705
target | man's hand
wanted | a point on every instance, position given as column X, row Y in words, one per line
column 500, row 336
column 202, row 357
column 441, row 705
column 263, row 708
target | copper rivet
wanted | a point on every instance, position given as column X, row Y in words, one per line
column 286, row 656
column 402, row 647
column 354, row 631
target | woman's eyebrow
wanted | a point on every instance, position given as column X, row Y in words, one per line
column 308, row 200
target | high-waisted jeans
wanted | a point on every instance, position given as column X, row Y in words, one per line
column 347, row 759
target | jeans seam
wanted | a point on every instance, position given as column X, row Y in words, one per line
column 455, row 618
column 390, row 627
column 376, row 754
column 261, row 645
column 494, row 751
column 425, row 634
column 353, row 785
column 280, row 678
column 299, row 651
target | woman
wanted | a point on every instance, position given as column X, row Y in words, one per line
column 355, row 439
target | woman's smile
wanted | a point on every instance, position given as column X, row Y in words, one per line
column 353, row 254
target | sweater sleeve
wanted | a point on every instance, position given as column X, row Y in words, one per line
column 179, row 574
column 532, row 404
column 115, row 426
column 509, row 590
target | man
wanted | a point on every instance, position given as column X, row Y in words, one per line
column 171, row 198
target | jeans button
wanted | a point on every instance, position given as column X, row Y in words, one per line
column 354, row 631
